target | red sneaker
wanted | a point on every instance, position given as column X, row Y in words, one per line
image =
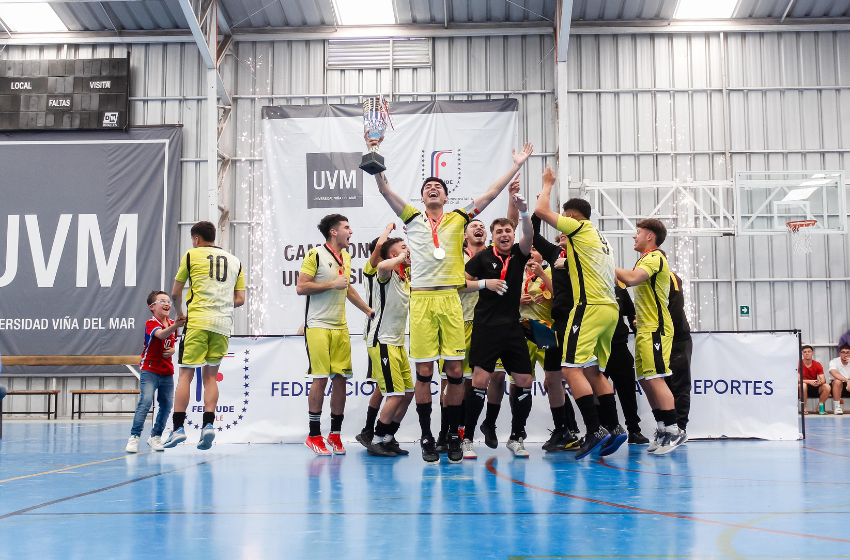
column 460, row 432
column 336, row 444
column 317, row 444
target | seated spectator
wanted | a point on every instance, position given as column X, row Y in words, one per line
column 845, row 339
column 839, row 377
column 814, row 381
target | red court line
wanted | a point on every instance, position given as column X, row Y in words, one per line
column 604, row 464
column 494, row 472
column 827, row 452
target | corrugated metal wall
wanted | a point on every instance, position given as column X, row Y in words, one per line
column 651, row 108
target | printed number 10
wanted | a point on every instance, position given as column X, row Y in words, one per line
column 220, row 267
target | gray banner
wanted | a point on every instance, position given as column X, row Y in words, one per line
column 88, row 227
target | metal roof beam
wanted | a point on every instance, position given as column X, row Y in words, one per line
column 380, row 31
column 206, row 39
column 715, row 26
column 96, row 37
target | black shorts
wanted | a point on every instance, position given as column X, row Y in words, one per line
column 813, row 392
column 500, row 342
column 620, row 362
column 554, row 356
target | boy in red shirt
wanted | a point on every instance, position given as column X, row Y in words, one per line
column 813, row 380
column 157, row 371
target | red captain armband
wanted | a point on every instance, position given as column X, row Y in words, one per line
column 471, row 210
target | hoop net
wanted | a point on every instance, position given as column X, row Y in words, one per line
column 801, row 235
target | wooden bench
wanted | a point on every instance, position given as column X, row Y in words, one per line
column 77, row 397
column 46, row 392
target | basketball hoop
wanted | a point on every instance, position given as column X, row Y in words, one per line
column 801, row 235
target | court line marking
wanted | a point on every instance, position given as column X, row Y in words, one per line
column 407, row 513
column 610, row 466
column 493, row 471
column 75, row 466
column 830, row 437
column 126, row 482
column 827, row 452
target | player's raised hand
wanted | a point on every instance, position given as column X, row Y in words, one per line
column 548, row 176
column 370, row 142
column 519, row 158
column 520, row 203
column 340, row 282
column 535, row 268
column 390, row 227
column 513, row 186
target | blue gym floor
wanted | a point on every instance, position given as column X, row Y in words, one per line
column 67, row 490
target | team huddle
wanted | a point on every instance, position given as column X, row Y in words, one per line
column 486, row 312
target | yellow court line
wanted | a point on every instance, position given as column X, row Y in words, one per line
column 830, row 437
column 74, row 467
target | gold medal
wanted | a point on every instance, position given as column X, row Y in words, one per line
column 547, row 294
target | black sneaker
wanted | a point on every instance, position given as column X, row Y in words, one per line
column 393, row 446
column 637, row 438
column 380, row 450
column 574, row 442
column 455, row 452
column 616, row 438
column 591, row 442
column 365, row 438
column 489, row 433
column 559, row 441
column 442, row 446
column 429, row 451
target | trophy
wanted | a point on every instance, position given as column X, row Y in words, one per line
column 376, row 116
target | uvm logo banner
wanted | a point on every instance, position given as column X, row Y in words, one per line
column 334, row 180
column 444, row 164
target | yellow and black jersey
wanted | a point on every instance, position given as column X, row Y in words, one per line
column 426, row 270
column 213, row 275
column 533, row 286
column 391, row 305
column 370, row 274
column 468, row 299
column 591, row 262
column 652, row 295
column 326, row 310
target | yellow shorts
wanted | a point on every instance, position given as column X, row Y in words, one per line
column 329, row 352
column 652, row 355
column 467, row 371
column 391, row 369
column 202, row 348
column 436, row 326
column 537, row 357
column 590, row 329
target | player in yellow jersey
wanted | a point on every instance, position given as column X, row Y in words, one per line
column 654, row 338
column 592, row 321
column 216, row 286
column 435, row 239
column 324, row 279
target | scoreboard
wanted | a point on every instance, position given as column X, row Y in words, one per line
column 83, row 94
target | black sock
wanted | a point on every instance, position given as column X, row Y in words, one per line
column 371, row 416
column 381, row 429
column 492, row 414
column 463, row 412
column 315, row 423
column 559, row 417
column 424, row 412
column 588, row 413
column 453, row 413
column 608, row 408
column 209, row 418
column 668, row 417
column 570, row 415
column 522, row 408
column 444, row 421
column 336, row 423
column 394, row 426
column 473, row 411
column 179, row 418
column 683, row 425
column 656, row 413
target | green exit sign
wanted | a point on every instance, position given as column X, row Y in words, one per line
column 745, row 311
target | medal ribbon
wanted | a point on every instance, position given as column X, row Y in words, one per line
column 401, row 273
column 337, row 258
column 643, row 255
column 529, row 278
column 504, row 262
column 434, row 225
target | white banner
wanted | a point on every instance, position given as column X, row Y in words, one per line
column 744, row 386
column 310, row 169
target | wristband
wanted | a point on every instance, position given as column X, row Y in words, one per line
column 524, row 214
column 482, row 284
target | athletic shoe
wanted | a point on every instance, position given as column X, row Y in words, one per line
column 393, row 446
column 132, row 445
column 335, row 444
column 317, row 444
column 617, row 438
column 455, row 453
column 591, row 442
column 575, row 442
column 468, row 450
column 155, row 443
column 558, row 441
column 837, row 409
column 460, row 432
column 177, row 436
column 380, row 449
column 637, row 438
column 364, row 438
column 684, row 434
column 429, row 451
column 517, row 447
column 441, row 446
column 207, row 437
column 820, row 409
column 671, row 441
column 490, row 438
column 656, row 442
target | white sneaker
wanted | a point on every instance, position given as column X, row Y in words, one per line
column 132, row 445
column 155, row 443
column 468, row 450
column 837, row 409
column 656, row 442
column 517, row 447
column 672, row 440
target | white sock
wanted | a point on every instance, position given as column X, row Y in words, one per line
column 388, row 438
column 377, row 439
column 660, row 426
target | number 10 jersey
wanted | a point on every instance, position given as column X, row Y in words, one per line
column 213, row 275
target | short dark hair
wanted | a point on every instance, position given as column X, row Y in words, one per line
column 806, row 346
column 580, row 205
column 469, row 223
column 329, row 222
column 205, row 230
column 155, row 294
column 430, row 179
column 388, row 244
column 844, row 347
column 501, row 222
column 655, row 226
column 373, row 244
